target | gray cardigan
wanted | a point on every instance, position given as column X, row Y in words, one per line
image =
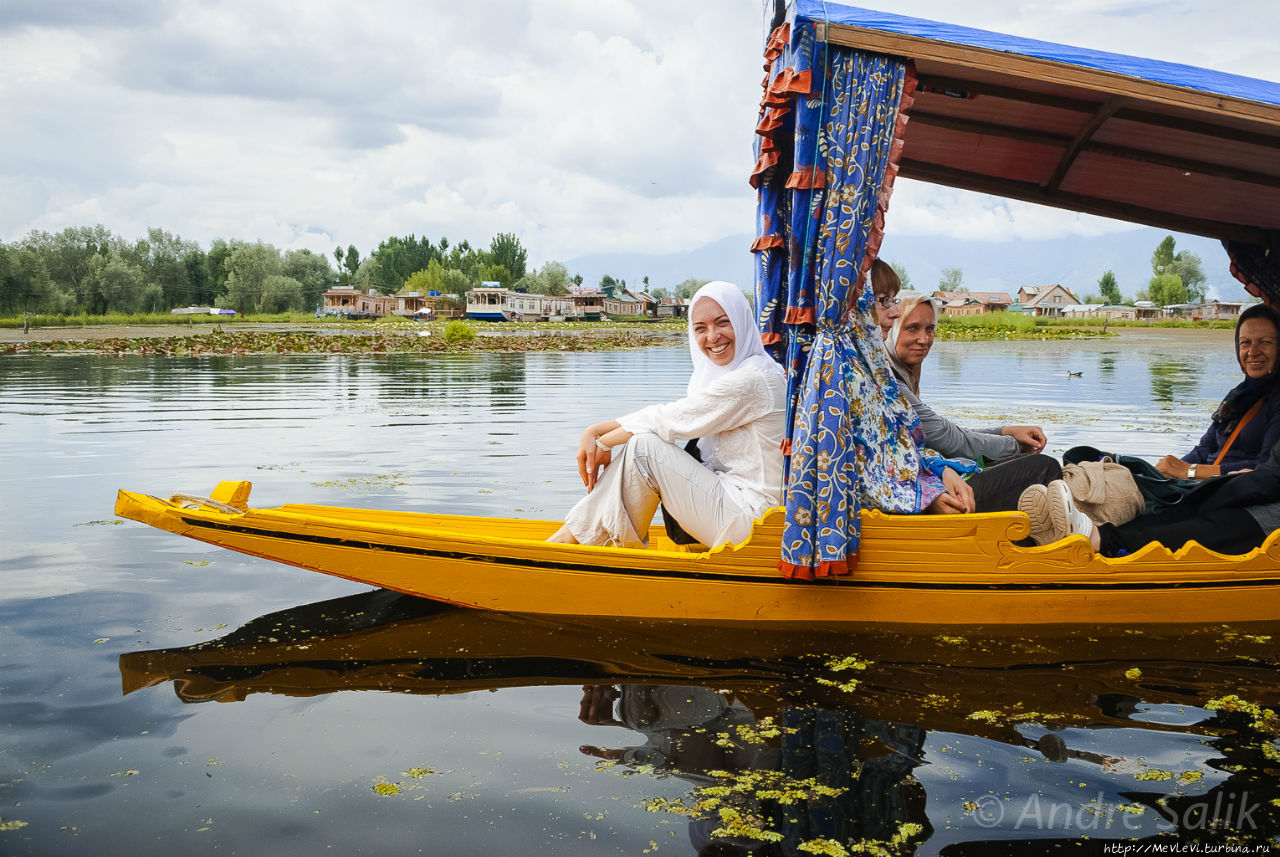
column 951, row 441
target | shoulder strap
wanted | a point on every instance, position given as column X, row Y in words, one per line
column 1248, row 415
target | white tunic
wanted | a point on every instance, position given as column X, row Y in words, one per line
column 744, row 413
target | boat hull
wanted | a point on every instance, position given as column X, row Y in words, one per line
column 959, row 569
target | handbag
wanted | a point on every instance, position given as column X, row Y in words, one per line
column 1104, row 490
column 1158, row 491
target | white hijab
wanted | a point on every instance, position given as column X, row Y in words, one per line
column 747, row 348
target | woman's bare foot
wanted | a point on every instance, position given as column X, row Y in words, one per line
column 562, row 536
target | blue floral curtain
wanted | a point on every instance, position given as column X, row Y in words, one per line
column 830, row 137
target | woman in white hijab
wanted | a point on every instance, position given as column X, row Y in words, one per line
column 736, row 404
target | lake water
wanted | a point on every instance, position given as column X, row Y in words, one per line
column 315, row 715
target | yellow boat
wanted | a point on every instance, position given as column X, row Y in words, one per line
column 912, row 569
column 1153, row 143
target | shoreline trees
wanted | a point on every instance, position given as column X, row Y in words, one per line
column 90, row 270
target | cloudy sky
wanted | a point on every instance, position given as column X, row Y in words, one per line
column 583, row 126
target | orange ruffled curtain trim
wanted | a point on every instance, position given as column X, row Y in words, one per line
column 838, row 568
column 766, row 242
column 810, row 178
column 768, row 159
column 778, row 40
column 799, row 315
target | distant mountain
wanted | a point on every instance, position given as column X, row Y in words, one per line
column 995, row 266
column 727, row 259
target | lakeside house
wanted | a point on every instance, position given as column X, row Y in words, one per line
column 673, row 308
column 972, row 303
column 1208, row 311
column 623, row 303
column 1049, row 300
column 349, row 299
column 589, row 305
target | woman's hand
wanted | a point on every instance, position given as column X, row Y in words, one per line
column 958, row 499
column 1176, row 468
column 592, row 460
column 1029, row 438
column 1173, row 467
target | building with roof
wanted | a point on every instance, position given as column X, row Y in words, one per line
column 348, row 300
column 1050, row 301
column 972, row 303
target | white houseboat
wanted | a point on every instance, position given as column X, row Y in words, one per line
column 495, row 303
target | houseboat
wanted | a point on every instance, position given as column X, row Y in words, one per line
column 590, row 305
column 350, row 301
column 495, row 303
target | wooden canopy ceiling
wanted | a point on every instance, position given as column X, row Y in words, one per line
column 1085, row 139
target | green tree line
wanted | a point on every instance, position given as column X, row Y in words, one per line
column 90, row 270
column 1177, row 277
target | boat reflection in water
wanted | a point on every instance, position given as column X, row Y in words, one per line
column 951, row 742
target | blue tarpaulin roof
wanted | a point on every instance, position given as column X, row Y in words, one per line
column 1160, row 143
column 1175, row 74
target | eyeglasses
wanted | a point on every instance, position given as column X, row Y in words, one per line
column 887, row 301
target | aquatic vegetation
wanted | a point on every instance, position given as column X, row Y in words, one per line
column 876, row 847
column 741, row 734
column 238, row 343
column 418, row 773
column 458, row 331
column 13, row 824
column 1008, row 325
column 386, row 789
column 1133, row 674
column 1184, row 778
column 736, row 801
column 365, row 484
column 1264, row 719
column 837, row 664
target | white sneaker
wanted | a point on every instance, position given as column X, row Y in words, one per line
column 1053, row 513
column 1062, row 509
column 1034, row 503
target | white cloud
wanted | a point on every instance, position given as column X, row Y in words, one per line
column 581, row 125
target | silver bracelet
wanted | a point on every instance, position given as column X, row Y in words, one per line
column 602, row 445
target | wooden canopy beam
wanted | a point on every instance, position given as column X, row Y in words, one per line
column 1029, row 192
column 1079, row 105
column 1104, row 112
column 1046, row 138
column 1007, row 93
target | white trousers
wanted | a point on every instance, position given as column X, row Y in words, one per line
column 648, row 470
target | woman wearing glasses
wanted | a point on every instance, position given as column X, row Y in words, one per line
column 1005, row 472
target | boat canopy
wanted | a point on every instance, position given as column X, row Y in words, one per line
column 1157, row 143
column 853, row 98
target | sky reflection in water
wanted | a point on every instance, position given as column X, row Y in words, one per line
column 358, row 722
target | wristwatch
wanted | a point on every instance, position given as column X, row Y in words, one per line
column 1191, row 471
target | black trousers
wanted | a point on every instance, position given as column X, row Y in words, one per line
column 998, row 488
column 1229, row 531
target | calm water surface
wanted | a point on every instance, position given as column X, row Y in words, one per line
column 159, row 696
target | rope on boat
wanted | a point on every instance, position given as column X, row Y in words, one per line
column 191, row 501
